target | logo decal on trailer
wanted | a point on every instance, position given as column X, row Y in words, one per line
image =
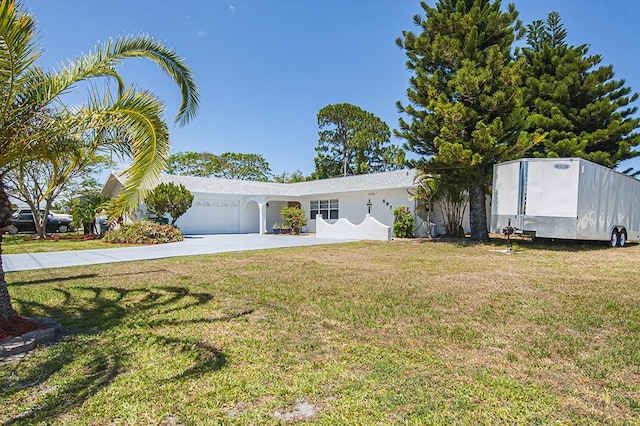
column 561, row 166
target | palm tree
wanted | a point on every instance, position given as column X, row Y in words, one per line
column 427, row 192
column 128, row 122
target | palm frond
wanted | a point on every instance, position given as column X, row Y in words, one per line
column 138, row 116
column 18, row 52
column 103, row 59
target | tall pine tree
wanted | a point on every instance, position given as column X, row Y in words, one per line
column 575, row 101
column 465, row 95
column 353, row 141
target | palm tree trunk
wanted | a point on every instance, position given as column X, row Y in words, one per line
column 6, row 310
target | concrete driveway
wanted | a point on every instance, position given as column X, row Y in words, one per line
column 192, row 245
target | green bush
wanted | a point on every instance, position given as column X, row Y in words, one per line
column 169, row 198
column 403, row 222
column 144, row 232
column 293, row 218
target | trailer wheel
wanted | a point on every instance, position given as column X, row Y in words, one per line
column 622, row 239
column 614, row 238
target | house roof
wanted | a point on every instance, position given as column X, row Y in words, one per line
column 369, row 182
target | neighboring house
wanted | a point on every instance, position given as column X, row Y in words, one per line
column 238, row 206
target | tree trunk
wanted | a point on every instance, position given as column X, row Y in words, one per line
column 6, row 310
column 478, row 213
column 39, row 221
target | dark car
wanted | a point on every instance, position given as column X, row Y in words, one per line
column 23, row 222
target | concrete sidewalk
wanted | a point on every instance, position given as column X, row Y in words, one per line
column 192, row 245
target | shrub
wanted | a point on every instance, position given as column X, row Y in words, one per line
column 293, row 218
column 403, row 222
column 169, row 198
column 144, row 232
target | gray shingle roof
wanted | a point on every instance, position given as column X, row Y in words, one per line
column 368, row 182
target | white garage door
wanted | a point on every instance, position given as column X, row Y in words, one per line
column 218, row 216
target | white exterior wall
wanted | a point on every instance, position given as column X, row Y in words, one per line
column 368, row 229
column 273, row 213
column 353, row 205
column 249, row 215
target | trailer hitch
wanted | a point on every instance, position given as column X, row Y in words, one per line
column 507, row 231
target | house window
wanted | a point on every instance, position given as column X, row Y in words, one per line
column 327, row 208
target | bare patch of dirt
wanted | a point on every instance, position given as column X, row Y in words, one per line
column 302, row 410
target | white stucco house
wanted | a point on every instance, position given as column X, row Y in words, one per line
column 237, row 206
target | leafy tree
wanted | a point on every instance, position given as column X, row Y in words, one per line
column 245, row 167
column 199, row 164
column 26, row 91
column 292, row 177
column 169, row 198
column 575, row 101
column 229, row 165
column 61, row 169
column 85, row 206
column 353, row 142
column 465, row 96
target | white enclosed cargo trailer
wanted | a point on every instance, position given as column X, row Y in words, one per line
column 565, row 198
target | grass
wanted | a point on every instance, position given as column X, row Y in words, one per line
column 29, row 243
column 365, row 333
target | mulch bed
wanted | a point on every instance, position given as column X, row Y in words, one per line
column 16, row 326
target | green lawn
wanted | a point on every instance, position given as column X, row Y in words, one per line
column 362, row 333
column 29, row 243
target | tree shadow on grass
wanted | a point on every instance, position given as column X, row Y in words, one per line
column 554, row 244
column 112, row 324
column 524, row 242
column 52, row 280
column 55, row 280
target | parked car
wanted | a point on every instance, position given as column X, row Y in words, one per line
column 23, row 222
column 54, row 214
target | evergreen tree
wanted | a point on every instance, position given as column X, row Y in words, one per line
column 575, row 101
column 465, row 95
column 169, row 198
column 353, row 142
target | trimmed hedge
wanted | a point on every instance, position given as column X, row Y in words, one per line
column 144, row 232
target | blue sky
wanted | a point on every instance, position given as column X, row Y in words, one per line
column 265, row 68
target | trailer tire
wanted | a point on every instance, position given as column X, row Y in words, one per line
column 622, row 238
column 615, row 237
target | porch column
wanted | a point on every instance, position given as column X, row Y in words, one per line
column 263, row 217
